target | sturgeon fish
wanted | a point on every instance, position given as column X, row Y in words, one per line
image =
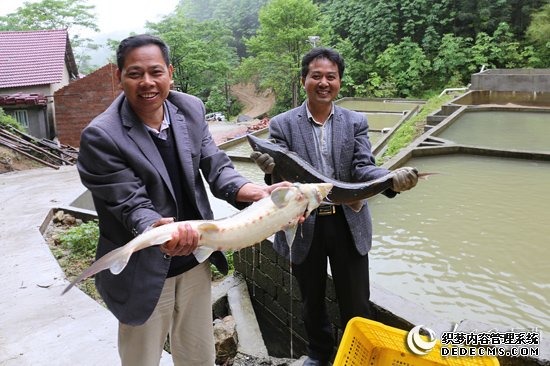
column 280, row 211
column 292, row 168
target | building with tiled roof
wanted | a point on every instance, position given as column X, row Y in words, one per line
column 34, row 63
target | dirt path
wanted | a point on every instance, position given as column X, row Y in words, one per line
column 254, row 104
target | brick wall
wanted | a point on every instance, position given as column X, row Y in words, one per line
column 79, row 102
column 271, row 287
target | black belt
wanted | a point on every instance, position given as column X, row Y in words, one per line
column 326, row 210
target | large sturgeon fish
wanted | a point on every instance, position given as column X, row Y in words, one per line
column 292, row 168
column 280, row 211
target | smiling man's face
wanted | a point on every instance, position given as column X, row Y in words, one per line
column 145, row 80
column 322, row 82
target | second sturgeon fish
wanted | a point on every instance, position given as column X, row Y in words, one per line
column 292, row 168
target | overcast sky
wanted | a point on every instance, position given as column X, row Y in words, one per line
column 115, row 16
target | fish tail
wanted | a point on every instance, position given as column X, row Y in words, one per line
column 115, row 261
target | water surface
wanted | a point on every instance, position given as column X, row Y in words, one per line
column 379, row 121
column 375, row 105
column 502, row 130
column 470, row 243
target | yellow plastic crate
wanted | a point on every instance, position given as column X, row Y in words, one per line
column 369, row 343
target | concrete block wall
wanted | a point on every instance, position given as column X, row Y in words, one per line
column 525, row 80
column 81, row 101
column 275, row 295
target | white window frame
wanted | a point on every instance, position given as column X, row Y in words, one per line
column 20, row 116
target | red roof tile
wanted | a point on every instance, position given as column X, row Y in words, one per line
column 23, row 98
column 32, row 57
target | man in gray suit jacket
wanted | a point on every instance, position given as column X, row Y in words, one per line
column 141, row 160
column 335, row 141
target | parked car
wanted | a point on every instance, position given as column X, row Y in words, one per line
column 215, row 116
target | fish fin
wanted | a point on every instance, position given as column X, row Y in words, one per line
column 202, row 253
column 355, row 206
column 290, row 234
column 116, row 260
column 208, row 227
column 278, row 196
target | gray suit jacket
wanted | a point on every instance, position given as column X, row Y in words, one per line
column 121, row 166
column 352, row 160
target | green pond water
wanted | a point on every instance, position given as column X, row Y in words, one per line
column 250, row 170
column 374, row 137
column 501, row 130
column 471, row 242
column 379, row 121
column 371, row 105
column 243, row 148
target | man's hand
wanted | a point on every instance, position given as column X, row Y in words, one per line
column 251, row 192
column 264, row 161
column 405, row 178
column 184, row 240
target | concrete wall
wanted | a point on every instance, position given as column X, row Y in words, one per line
column 528, row 80
column 81, row 101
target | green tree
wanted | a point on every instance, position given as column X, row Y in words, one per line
column 538, row 34
column 373, row 25
column 280, row 43
column 200, row 53
column 405, row 65
column 51, row 14
column 241, row 16
column 450, row 66
column 507, row 50
column 481, row 53
column 475, row 16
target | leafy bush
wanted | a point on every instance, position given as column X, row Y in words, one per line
column 216, row 274
column 8, row 121
column 81, row 240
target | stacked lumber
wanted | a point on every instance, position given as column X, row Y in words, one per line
column 44, row 151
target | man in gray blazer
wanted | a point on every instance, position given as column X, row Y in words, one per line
column 335, row 141
column 141, row 160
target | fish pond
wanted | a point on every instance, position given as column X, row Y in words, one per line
column 501, row 129
column 469, row 243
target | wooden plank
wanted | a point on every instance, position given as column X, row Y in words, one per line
column 15, row 148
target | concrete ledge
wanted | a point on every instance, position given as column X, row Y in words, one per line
column 250, row 337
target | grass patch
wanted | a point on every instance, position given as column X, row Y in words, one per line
column 73, row 244
column 412, row 128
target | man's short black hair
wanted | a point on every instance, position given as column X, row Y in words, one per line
column 128, row 44
column 323, row 52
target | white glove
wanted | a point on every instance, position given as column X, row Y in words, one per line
column 264, row 161
column 404, row 179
